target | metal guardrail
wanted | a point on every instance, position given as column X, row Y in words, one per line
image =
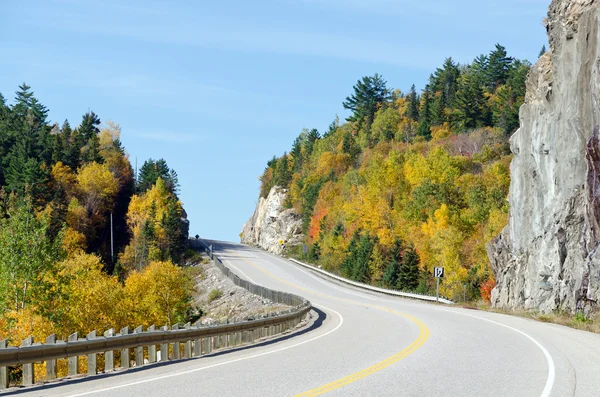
column 410, row 295
column 196, row 339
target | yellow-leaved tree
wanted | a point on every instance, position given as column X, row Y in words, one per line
column 160, row 294
column 145, row 219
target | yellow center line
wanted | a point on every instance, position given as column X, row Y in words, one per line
column 423, row 336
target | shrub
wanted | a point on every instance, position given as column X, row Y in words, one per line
column 214, row 294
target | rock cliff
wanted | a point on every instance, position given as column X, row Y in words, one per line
column 547, row 257
column 272, row 223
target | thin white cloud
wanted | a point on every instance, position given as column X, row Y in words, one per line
column 438, row 8
column 168, row 136
column 253, row 39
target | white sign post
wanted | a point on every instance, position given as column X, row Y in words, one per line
column 438, row 272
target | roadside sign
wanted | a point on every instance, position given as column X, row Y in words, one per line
column 438, row 272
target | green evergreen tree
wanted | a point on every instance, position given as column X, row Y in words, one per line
column 498, row 67
column 408, row 272
column 368, row 93
column 542, row 51
column 175, row 230
column 88, row 128
column 425, row 114
column 312, row 136
column 70, row 151
column 149, row 173
column 315, row 252
column 361, row 271
column 283, row 173
column 470, row 105
column 348, row 264
column 91, row 151
column 444, row 83
column 412, row 110
column 390, row 275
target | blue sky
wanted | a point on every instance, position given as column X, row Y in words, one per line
column 216, row 88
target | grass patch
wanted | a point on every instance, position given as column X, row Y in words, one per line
column 577, row 321
column 214, row 294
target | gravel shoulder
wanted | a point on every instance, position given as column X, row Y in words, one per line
column 219, row 298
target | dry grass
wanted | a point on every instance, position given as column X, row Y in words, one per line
column 591, row 324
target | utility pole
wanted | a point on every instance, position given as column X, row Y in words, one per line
column 112, row 250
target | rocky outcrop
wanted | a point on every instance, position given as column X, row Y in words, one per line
column 271, row 224
column 547, row 257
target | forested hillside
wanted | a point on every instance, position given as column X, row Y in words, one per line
column 411, row 180
column 62, row 189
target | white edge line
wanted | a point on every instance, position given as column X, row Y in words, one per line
column 240, row 272
column 223, row 363
column 551, row 369
column 371, row 288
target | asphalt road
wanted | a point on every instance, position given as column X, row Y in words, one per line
column 364, row 344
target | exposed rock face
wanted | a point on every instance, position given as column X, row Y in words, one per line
column 271, row 223
column 547, row 257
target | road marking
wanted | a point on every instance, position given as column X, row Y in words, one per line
column 218, row 364
column 423, row 336
column 551, row 368
column 240, row 272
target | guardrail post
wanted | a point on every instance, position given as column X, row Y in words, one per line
column 187, row 345
column 176, row 345
column 73, row 361
column 139, row 350
column 197, row 342
column 91, row 358
column 207, row 345
column 164, row 347
column 50, row 364
column 109, row 356
column 3, row 370
column 28, row 371
column 151, row 348
column 125, row 352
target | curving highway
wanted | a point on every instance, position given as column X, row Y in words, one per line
column 366, row 344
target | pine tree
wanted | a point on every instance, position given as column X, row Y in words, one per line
column 283, row 174
column 412, row 110
column 444, row 84
column 332, row 127
column 368, row 93
column 149, row 173
column 542, row 51
column 22, row 100
column 296, row 153
column 498, row 67
column 470, row 105
column 348, row 264
column 88, row 128
column 315, row 252
column 70, row 151
column 361, row 271
column 390, row 276
column 408, row 272
column 174, row 231
column 425, row 114
column 312, row 136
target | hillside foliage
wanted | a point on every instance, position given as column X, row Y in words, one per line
column 61, row 191
column 411, row 180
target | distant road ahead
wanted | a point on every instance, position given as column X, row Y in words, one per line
column 365, row 344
